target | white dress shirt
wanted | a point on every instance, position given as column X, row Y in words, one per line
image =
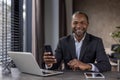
column 78, row 45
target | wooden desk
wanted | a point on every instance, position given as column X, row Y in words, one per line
column 68, row 75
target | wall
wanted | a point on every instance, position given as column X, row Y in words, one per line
column 103, row 17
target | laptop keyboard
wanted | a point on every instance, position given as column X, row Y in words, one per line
column 50, row 72
column 45, row 72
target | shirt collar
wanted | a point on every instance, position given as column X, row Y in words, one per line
column 81, row 39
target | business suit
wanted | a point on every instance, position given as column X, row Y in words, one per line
column 92, row 49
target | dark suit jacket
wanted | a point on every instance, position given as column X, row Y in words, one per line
column 92, row 50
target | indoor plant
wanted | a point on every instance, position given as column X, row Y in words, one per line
column 116, row 47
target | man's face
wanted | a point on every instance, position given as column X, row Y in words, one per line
column 79, row 24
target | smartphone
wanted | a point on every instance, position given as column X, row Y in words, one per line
column 93, row 75
column 47, row 48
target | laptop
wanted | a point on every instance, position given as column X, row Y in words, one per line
column 26, row 63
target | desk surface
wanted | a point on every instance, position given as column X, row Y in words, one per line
column 67, row 75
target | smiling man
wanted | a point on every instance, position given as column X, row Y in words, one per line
column 80, row 50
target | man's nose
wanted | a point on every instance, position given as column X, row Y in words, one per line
column 79, row 24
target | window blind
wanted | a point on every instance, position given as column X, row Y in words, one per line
column 17, row 25
column 11, row 38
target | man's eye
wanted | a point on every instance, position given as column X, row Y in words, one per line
column 84, row 23
column 75, row 22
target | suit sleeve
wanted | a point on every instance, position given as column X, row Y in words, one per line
column 103, row 63
column 58, row 56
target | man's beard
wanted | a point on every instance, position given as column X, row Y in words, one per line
column 79, row 32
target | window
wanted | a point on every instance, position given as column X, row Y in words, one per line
column 5, row 27
column 11, row 28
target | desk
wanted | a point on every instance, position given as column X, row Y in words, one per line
column 67, row 75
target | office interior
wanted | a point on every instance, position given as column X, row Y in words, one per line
column 40, row 22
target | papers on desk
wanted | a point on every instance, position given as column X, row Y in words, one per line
column 93, row 75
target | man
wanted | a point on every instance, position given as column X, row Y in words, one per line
column 79, row 51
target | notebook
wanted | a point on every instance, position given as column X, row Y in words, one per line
column 26, row 63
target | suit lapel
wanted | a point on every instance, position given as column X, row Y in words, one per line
column 72, row 47
column 84, row 46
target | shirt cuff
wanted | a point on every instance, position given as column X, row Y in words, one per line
column 94, row 68
column 48, row 67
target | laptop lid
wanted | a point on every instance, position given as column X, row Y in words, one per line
column 26, row 63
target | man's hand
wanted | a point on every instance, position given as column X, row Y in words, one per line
column 49, row 59
column 76, row 64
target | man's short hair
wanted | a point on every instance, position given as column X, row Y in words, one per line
column 78, row 12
